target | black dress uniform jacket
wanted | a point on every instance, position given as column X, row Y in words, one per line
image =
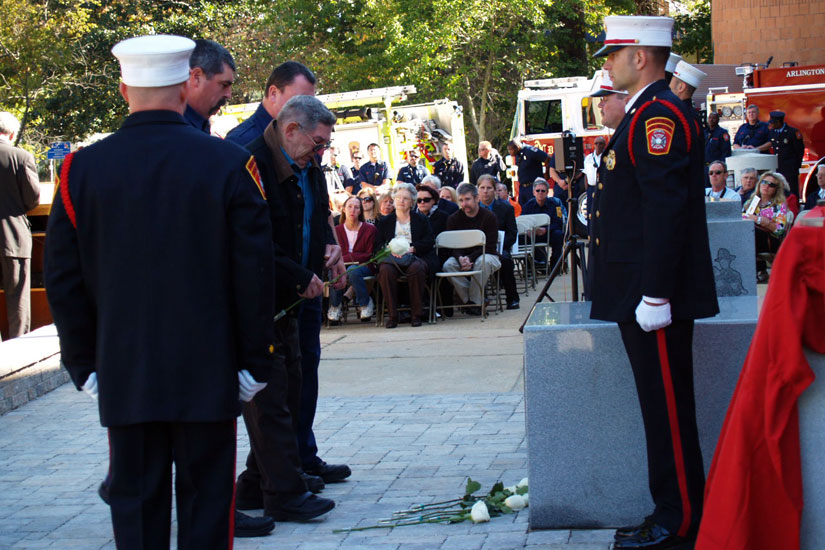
column 790, row 149
column 158, row 271
column 648, row 231
column 286, row 210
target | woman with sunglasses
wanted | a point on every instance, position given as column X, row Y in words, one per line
column 768, row 210
column 357, row 240
column 368, row 205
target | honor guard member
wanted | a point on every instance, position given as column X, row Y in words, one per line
column 754, row 134
column 375, row 172
column 593, row 168
column 651, row 270
column 449, row 169
column 127, row 288
column 413, row 172
column 789, row 148
column 672, row 61
column 686, row 79
column 717, row 140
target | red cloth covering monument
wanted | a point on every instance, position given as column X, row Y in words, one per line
column 753, row 497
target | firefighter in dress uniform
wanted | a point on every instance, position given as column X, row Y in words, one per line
column 145, row 224
column 651, row 269
column 789, row 148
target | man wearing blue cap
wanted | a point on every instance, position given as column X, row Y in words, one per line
column 159, row 276
column 651, row 270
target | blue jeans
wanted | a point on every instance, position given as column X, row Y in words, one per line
column 355, row 276
column 309, row 334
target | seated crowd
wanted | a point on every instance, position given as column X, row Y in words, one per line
column 368, row 214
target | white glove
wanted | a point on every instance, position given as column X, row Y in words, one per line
column 247, row 386
column 653, row 317
column 90, row 386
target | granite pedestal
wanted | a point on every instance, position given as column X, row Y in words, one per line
column 586, row 445
column 812, row 448
column 732, row 249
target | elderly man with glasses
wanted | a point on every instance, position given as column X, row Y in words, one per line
column 544, row 203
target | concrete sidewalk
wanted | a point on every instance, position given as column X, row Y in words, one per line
column 413, row 411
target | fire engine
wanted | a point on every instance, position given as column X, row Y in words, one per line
column 376, row 116
column 799, row 91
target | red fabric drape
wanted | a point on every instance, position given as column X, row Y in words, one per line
column 753, row 497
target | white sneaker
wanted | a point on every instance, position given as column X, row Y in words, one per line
column 368, row 310
column 334, row 313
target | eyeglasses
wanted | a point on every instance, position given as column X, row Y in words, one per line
column 357, row 158
column 715, row 172
column 539, row 190
column 367, row 199
column 424, row 200
column 318, row 146
column 771, row 184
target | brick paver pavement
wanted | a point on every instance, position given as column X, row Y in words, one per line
column 403, row 450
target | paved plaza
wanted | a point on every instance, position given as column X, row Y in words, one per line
column 413, row 411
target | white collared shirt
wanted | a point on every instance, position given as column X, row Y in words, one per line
column 591, row 164
column 632, row 100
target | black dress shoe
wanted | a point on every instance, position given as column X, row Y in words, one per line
column 248, row 526
column 416, row 322
column 630, row 530
column 314, row 483
column 654, row 537
column 391, row 323
column 513, row 305
column 303, row 507
column 330, row 473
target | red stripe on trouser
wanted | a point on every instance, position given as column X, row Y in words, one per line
column 675, row 435
column 234, row 487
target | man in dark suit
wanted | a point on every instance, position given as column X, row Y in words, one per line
column 126, row 287
column 19, row 193
column 817, row 192
column 506, row 217
column 286, row 155
column 651, row 269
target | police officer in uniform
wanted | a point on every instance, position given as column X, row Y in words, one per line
column 789, row 148
column 413, row 172
column 126, row 289
column 651, row 270
column 449, row 169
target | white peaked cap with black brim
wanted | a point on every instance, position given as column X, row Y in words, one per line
column 689, row 74
column 635, row 30
column 154, row 61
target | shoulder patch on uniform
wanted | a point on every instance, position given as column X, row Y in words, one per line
column 252, row 168
column 659, row 132
column 725, row 136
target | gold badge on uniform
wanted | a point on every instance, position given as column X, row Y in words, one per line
column 610, row 160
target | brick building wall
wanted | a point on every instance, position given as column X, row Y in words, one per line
column 750, row 31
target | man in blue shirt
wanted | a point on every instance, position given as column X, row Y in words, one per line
column 717, row 140
column 541, row 203
column 530, row 162
column 753, row 134
column 375, row 172
column 286, row 80
column 414, row 172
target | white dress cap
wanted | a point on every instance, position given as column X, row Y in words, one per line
column 606, row 87
column 689, row 74
column 154, row 61
column 672, row 61
column 635, row 30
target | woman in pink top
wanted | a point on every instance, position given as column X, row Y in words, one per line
column 357, row 239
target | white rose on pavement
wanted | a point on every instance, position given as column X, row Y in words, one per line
column 479, row 512
column 515, row 502
column 399, row 246
column 522, row 483
column 511, row 488
column 526, row 497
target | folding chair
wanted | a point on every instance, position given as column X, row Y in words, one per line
column 466, row 238
column 539, row 221
column 522, row 252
